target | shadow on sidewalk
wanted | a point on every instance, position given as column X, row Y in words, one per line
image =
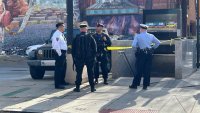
column 130, row 99
column 54, row 99
column 51, row 100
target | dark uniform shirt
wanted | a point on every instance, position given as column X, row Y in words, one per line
column 84, row 47
column 101, row 44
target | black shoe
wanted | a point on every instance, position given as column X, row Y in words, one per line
column 93, row 89
column 96, row 81
column 105, row 82
column 144, row 87
column 132, row 87
column 60, row 87
column 76, row 90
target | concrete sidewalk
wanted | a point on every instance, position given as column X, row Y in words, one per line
column 166, row 95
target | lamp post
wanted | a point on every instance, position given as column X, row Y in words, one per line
column 69, row 5
column 197, row 13
column 184, row 17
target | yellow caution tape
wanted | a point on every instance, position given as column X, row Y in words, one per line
column 115, row 48
column 112, row 48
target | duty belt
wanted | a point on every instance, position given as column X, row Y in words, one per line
column 146, row 50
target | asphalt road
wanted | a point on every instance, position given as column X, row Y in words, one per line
column 13, row 73
column 8, row 73
column 16, row 68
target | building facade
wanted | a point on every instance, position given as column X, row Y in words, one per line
column 43, row 14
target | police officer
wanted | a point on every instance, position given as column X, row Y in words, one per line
column 102, row 41
column 59, row 44
column 83, row 52
column 143, row 42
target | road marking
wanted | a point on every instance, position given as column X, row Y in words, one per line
column 16, row 92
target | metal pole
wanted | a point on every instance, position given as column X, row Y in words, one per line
column 69, row 4
column 126, row 59
column 197, row 11
column 184, row 17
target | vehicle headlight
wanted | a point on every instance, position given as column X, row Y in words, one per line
column 40, row 52
column 31, row 55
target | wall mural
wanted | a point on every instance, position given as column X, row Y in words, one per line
column 28, row 22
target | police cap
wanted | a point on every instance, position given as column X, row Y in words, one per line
column 100, row 25
column 143, row 26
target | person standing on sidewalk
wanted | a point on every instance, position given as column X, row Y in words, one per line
column 84, row 50
column 143, row 42
column 59, row 44
column 102, row 41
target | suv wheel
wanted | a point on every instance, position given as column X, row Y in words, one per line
column 37, row 72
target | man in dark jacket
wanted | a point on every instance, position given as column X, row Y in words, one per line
column 84, row 52
column 102, row 41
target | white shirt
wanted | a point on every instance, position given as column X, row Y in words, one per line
column 59, row 42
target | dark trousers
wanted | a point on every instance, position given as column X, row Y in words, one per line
column 79, row 70
column 103, row 63
column 143, row 68
column 60, row 69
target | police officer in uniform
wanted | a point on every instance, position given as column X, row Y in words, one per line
column 102, row 41
column 84, row 52
column 59, row 44
column 145, row 44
